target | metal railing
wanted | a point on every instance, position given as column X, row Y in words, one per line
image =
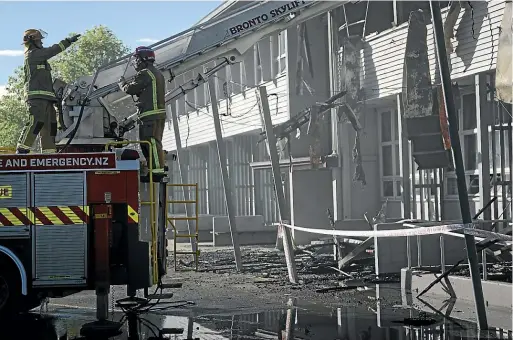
column 171, row 219
column 152, row 203
column 7, row 150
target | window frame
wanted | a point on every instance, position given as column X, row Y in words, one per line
column 394, row 143
column 471, row 176
column 282, row 57
column 258, row 65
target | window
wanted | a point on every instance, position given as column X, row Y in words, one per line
column 228, row 88
column 249, row 67
column 221, row 80
column 259, row 76
column 178, row 105
column 278, row 54
column 207, row 91
column 237, row 81
column 274, row 53
column 200, row 90
column 173, row 105
column 504, row 110
column 390, row 169
column 282, row 49
column 467, row 126
column 190, row 97
column 181, row 107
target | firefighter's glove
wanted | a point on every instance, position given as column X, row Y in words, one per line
column 74, row 38
column 121, row 82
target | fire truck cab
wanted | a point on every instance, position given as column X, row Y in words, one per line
column 77, row 221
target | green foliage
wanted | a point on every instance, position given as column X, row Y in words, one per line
column 12, row 116
column 95, row 48
column 15, row 85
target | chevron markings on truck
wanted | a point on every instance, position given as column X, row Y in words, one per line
column 51, row 215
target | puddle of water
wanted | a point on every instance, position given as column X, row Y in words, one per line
column 288, row 322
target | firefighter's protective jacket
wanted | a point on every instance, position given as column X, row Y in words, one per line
column 38, row 76
column 149, row 86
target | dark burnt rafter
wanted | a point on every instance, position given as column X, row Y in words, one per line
column 299, row 67
column 303, row 55
column 450, row 24
column 283, row 130
column 423, row 105
column 351, row 35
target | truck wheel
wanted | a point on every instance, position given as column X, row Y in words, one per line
column 10, row 288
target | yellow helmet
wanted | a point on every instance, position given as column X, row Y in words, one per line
column 33, row 34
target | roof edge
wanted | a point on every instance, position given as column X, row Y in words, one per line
column 217, row 11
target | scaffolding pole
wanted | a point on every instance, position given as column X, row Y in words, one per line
column 278, row 185
column 221, row 151
column 458, row 160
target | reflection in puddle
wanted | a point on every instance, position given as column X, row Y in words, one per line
column 291, row 322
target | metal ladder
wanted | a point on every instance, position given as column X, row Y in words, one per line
column 171, row 220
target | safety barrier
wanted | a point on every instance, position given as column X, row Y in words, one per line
column 195, row 218
column 423, row 228
column 413, row 230
column 152, row 203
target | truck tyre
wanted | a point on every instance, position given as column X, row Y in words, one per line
column 10, row 288
column 11, row 300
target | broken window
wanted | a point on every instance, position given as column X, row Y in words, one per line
column 467, row 123
column 278, row 54
column 180, row 101
column 236, row 80
column 200, row 90
column 469, row 112
column 207, row 67
column 190, row 96
column 274, row 55
column 282, row 51
column 221, row 82
column 507, row 151
column 264, row 46
column 390, row 171
column 259, row 77
column 173, row 104
column 249, row 67
column 502, row 113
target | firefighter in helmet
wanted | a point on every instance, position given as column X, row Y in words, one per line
column 149, row 87
column 39, row 91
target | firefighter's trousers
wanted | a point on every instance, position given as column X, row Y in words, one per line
column 152, row 130
column 42, row 120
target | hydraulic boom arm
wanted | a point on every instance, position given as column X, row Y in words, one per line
column 227, row 38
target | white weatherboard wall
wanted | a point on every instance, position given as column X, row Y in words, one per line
column 199, row 128
column 383, row 55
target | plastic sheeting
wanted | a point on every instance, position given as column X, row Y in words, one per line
column 504, row 71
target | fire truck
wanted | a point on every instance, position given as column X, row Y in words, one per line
column 87, row 217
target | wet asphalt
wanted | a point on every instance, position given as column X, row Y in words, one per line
column 294, row 319
column 217, row 303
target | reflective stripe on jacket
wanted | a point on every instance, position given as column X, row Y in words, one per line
column 38, row 75
column 149, row 86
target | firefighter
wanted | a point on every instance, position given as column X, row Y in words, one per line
column 39, row 91
column 149, row 87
